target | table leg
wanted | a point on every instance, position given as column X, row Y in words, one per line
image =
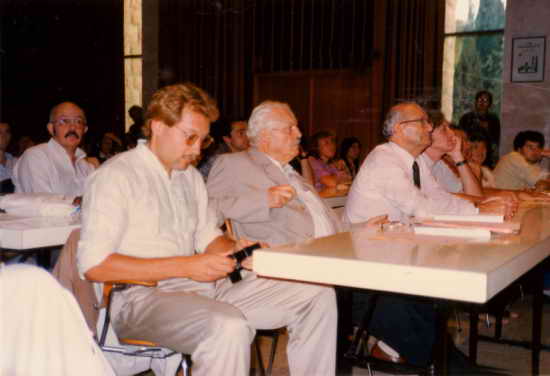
column 473, row 340
column 344, row 301
column 441, row 348
column 537, row 318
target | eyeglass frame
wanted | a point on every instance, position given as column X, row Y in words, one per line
column 78, row 121
column 287, row 129
column 423, row 121
column 191, row 139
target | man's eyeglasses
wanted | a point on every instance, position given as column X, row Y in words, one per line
column 423, row 121
column 66, row 121
column 286, row 130
column 191, row 139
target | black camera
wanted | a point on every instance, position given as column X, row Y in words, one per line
column 235, row 275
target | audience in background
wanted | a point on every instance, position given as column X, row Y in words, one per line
column 109, row 146
column 446, row 160
column 301, row 163
column 476, row 156
column 7, row 161
column 230, row 137
column 483, row 120
column 58, row 166
column 350, row 151
column 137, row 127
column 520, row 169
column 328, row 171
column 23, row 144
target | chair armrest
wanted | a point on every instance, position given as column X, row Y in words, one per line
column 109, row 287
column 133, row 282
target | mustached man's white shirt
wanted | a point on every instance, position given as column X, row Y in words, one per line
column 47, row 168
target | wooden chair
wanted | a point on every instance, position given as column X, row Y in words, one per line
column 134, row 346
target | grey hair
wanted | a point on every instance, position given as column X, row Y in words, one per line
column 394, row 116
column 262, row 118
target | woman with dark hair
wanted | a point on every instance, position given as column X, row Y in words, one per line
column 350, row 149
column 477, row 157
column 328, row 172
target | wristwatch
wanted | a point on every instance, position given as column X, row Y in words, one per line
column 458, row 164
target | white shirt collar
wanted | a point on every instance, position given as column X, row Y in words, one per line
column 57, row 148
column 402, row 153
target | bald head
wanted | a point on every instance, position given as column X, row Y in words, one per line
column 400, row 112
column 61, row 107
column 408, row 125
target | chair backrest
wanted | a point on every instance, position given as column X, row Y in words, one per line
column 66, row 272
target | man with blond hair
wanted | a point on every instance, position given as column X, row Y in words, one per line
column 146, row 216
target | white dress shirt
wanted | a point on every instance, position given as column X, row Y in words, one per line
column 132, row 207
column 443, row 174
column 514, row 172
column 47, row 168
column 384, row 185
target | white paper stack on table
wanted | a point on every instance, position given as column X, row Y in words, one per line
column 38, row 205
column 465, row 226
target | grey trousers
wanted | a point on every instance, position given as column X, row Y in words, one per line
column 216, row 323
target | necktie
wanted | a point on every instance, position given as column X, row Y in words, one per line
column 416, row 175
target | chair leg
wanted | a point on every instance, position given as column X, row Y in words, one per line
column 186, row 365
column 275, row 340
column 259, row 357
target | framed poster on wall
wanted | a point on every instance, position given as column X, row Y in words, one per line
column 528, row 59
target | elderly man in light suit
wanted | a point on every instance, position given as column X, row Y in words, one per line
column 261, row 193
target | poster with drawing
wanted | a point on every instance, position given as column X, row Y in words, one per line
column 528, row 59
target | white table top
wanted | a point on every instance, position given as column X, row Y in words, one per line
column 448, row 268
column 35, row 232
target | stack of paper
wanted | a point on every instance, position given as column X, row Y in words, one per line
column 470, row 226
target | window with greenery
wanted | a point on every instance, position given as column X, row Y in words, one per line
column 473, row 54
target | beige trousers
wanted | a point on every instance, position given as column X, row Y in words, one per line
column 216, row 323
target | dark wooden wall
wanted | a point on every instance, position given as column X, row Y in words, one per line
column 57, row 51
column 340, row 64
column 339, row 101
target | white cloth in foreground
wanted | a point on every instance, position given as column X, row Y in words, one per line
column 42, row 331
column 384, row 185
column 47, row 168
column 38, row 205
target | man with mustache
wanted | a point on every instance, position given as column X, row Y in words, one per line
column 58, row 166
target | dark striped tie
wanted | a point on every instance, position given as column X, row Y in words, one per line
column 416, row 175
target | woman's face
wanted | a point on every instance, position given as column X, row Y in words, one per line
column 478, row 152
column 354, row 151
column 327, row 147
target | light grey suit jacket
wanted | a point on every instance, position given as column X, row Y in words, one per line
column 237, row 187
